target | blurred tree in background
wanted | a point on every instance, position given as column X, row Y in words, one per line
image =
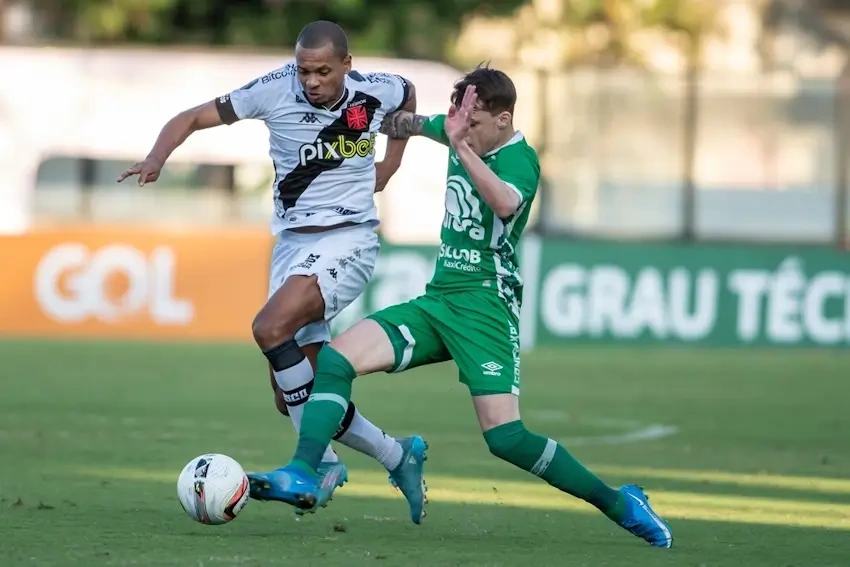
column 614, row 32
column 573, row 32
column 404, row 28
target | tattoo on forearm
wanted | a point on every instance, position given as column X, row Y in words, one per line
column 402, row 124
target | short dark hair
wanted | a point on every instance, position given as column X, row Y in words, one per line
column 322, row 32
column 496, row 91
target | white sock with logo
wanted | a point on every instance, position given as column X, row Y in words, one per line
column 294, row 382
column 362, row 435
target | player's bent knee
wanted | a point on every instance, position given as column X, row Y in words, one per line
column 495, row 409
column 505, row 440
column 296, row 304
column 270, row 330
column 366, row 346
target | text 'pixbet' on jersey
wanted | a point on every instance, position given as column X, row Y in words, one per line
column 337, row 149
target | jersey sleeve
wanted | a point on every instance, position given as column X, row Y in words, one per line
column 434, row 128
column 519, row 168
column 257, row 99
column 394, row 90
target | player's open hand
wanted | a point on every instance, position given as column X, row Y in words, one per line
column 458, row 118
column 147, row 170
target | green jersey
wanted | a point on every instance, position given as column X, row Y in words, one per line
column 478, row 250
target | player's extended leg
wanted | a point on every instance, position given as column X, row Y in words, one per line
column 486, row 348
column 508, row 439
column 363, row 349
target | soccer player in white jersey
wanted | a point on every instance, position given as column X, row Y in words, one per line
column 322, row 118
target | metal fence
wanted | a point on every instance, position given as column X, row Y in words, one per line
column 765, row 164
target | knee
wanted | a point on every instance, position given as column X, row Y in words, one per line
column 270, row 329
column 295, row 304
column 504, row 440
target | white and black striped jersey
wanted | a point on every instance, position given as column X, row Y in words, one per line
column 324, row 158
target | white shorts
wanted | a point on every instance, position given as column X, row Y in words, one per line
column 344, row 260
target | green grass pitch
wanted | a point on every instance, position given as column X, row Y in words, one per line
column 747, row 454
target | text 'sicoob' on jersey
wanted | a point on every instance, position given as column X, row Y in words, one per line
column 324, row 158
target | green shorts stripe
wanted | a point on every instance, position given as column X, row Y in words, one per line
column 407, row 352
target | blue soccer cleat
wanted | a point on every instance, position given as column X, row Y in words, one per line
column 328, row 468
column 409, row 476
column 641, row 520
column 298, row 488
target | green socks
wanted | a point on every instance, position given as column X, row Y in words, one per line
column 325, row 408
column 547, row 459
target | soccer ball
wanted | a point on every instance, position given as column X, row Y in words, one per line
column 212, row 489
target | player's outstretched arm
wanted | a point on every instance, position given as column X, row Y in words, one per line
column 403, row 124
column 179, row 128
column 172, row 135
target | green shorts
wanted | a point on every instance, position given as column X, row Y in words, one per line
column 473, row 328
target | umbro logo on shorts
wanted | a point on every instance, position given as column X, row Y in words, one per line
column 492, row 369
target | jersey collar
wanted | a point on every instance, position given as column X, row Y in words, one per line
column 517, row 137
column 334, row 107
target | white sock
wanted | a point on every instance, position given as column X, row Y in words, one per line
column 293, row 382
column 364, row 436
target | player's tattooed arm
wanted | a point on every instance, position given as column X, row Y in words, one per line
column 403, row 124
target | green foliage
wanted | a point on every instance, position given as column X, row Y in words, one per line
column 607, row 32
column 405, row 28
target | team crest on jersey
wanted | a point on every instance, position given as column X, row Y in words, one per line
column 356, row 117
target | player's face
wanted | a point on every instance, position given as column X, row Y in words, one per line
column 322, row 73
column 487, row 131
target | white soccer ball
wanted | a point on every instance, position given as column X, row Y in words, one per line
column 212, row 489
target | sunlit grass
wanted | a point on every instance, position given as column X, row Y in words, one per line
column 812, row 484
column 537, row 495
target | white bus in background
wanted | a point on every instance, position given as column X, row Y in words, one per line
column 75, row 118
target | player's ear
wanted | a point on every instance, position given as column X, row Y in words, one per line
column 503, row 120
column 346, row 63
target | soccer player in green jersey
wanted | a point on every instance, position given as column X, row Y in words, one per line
column 469, row 313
